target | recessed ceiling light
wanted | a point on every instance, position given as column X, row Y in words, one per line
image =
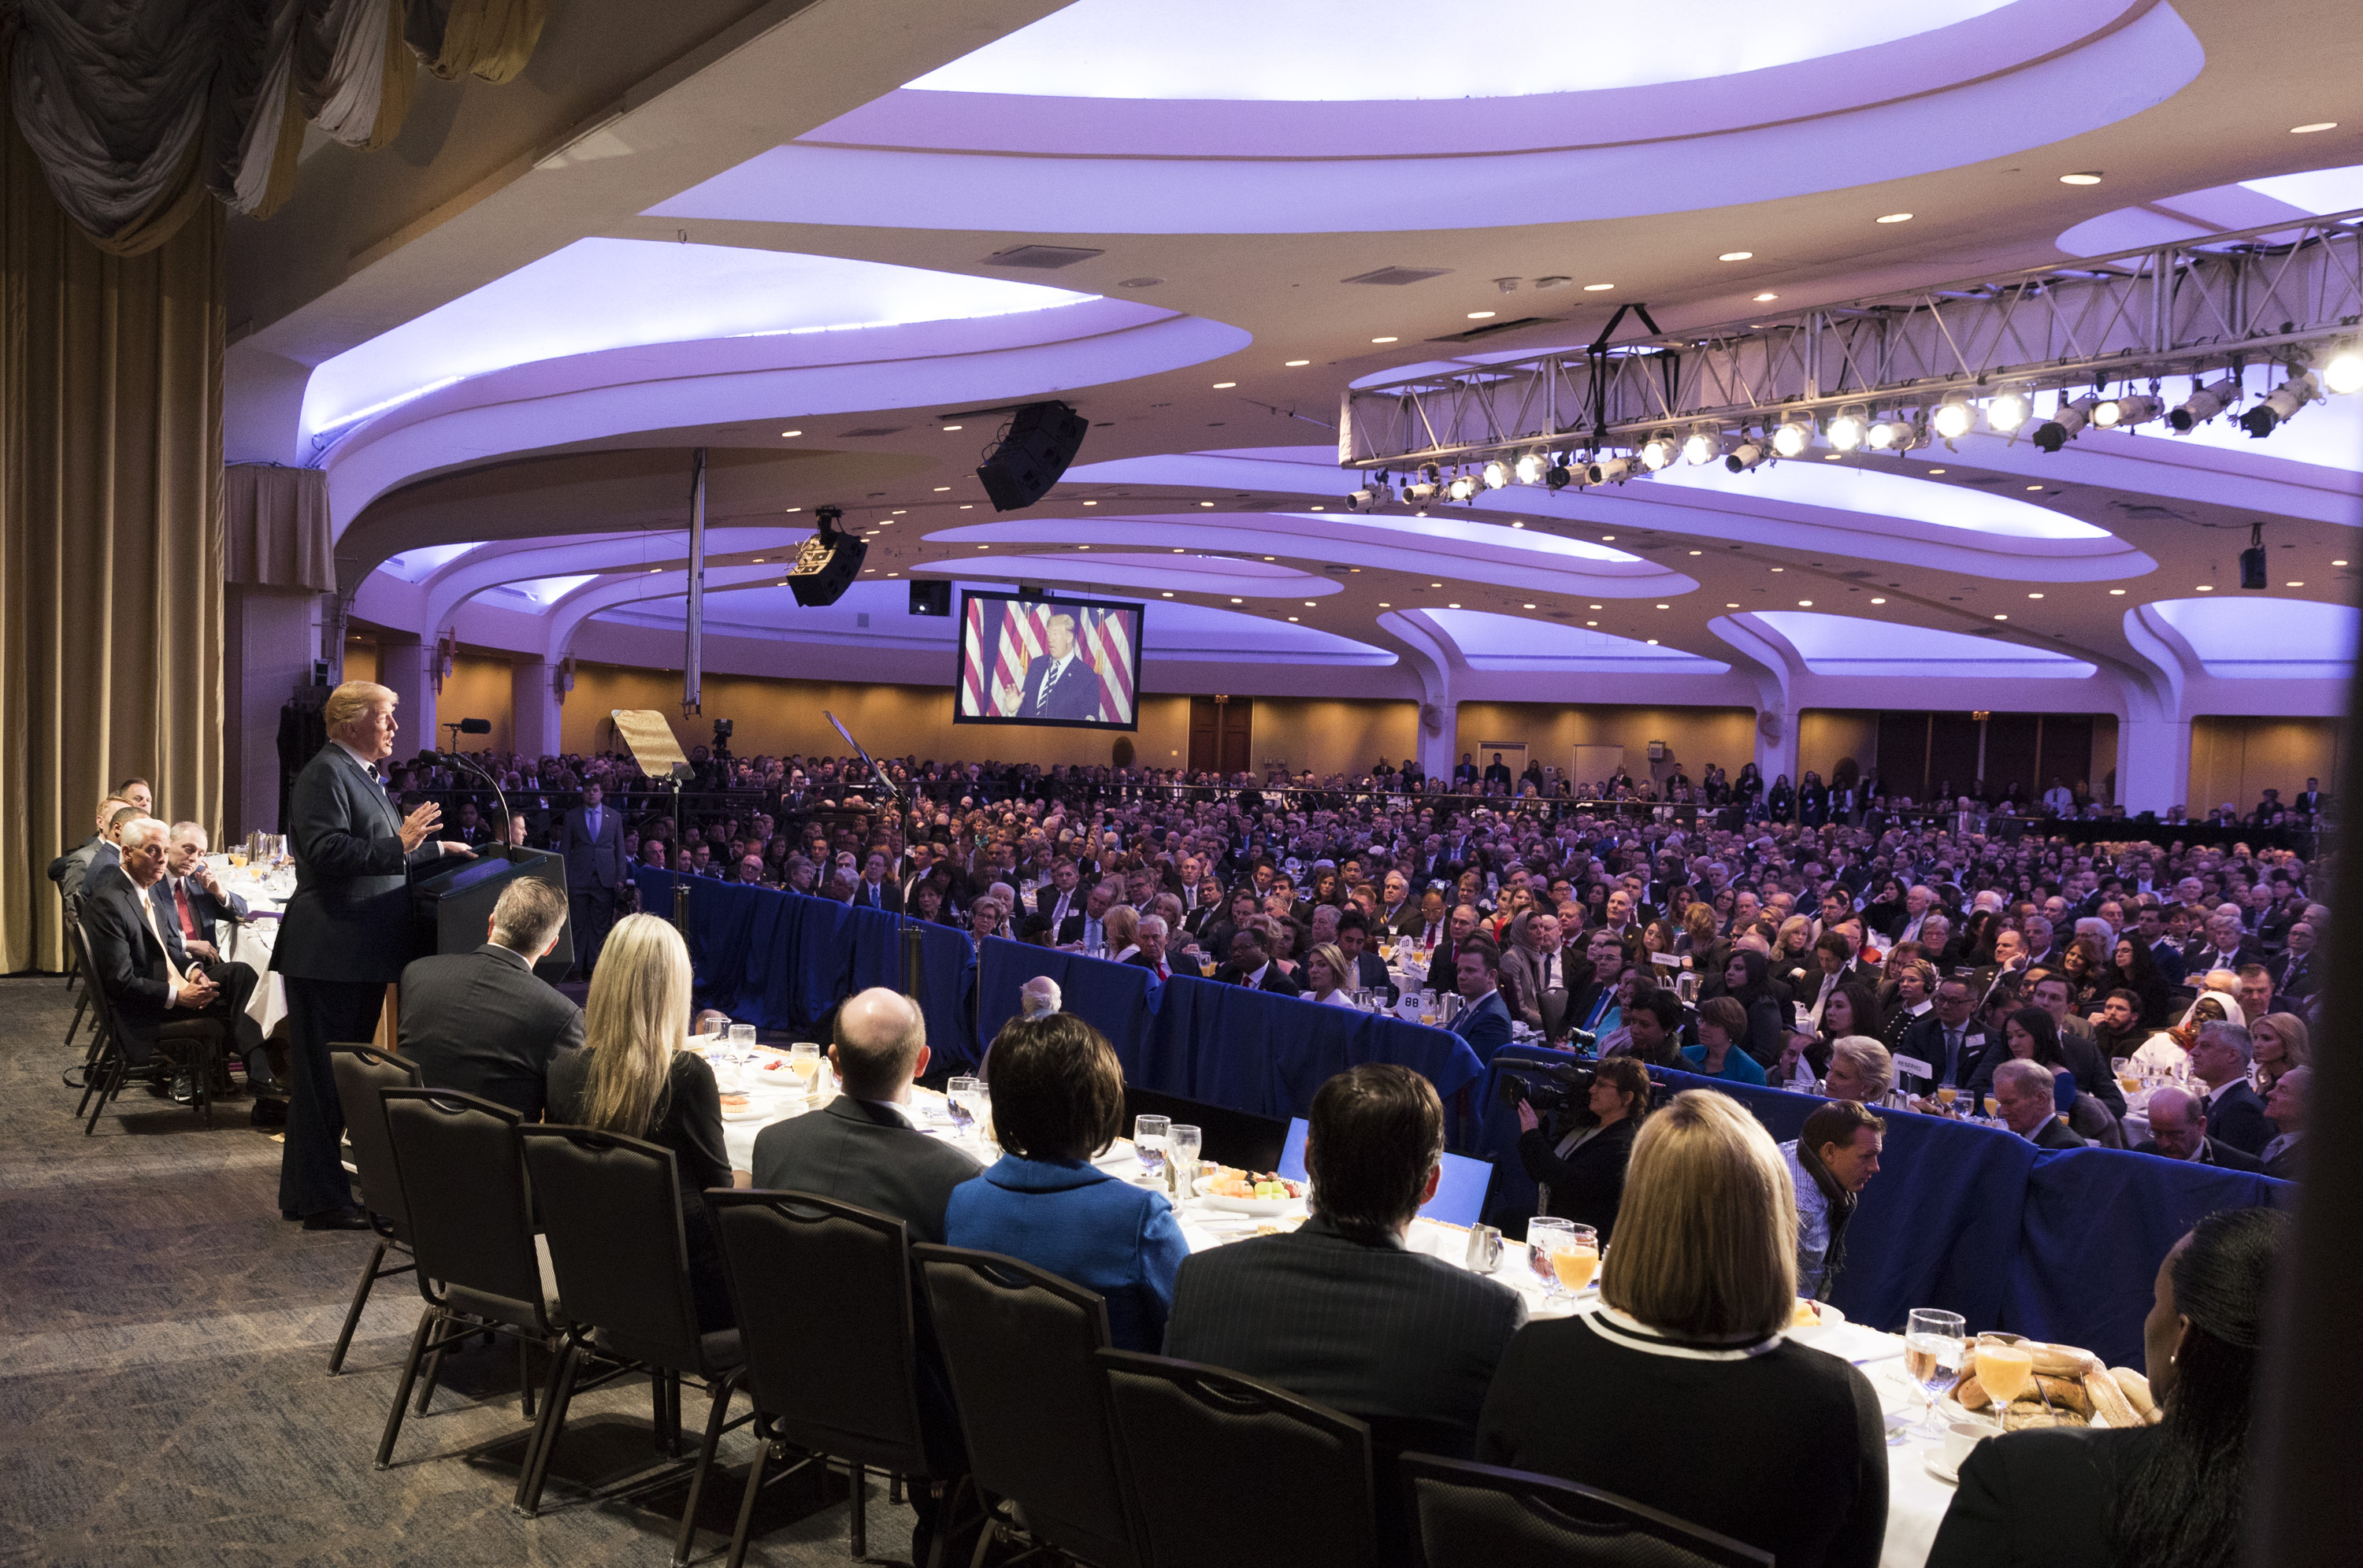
column 2339, row 563
column 1596, row 607
column 1239, row 601
column 790, row 431
column 1834, row 456
column 1435, row 585
column 1897, row 217
column 1514, row 522
column 1591, row 622
column 941, row 487
column 758, row 561
column 2034, row 487
column 654, row 570
column 2116, row 594
column 2002, row 617
column 1384, row 605
column 1597, row 288
column 1698, row 552
column 1480, row 315
column 949, row 429
column 1310, row 606
column 1384, row 340
column 1454, row 605
column 2034, row 596
column 1736, row 256
column 2086, row 177
column 1206, row 504
column 1607, row 538
column 1653, row 642
column 1091, row 504
column 1936, row 470
column 1804, row 605
column 1766, row 298
column 1779, row 569
column 900, row 510
column 967, row 506
column 2293, row 585
column 1292, row 620
column 1169, row 594
column 1664, row 606
column 1879, row 601
column 1528, row 606
column 795, row 509
column 1320, row 509
column 1177, row 549
column 1731, row 606
column 1292, row 364
column 2317, row 125
column 2206, row 587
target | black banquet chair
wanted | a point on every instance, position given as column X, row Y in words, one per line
column 471, row 1232
column 361, row 1071
column 115, row 1061
column 611, row 1216
column 1222, row 1468
column 1480, row 1516
column 1022, row 1347
column 827, row 1318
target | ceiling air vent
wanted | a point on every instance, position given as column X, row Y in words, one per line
column 1395, row 277
column 1041, row 257
column 1492, row 327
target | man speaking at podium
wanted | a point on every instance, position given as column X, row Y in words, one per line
column 1059, row 682
column 345, row 935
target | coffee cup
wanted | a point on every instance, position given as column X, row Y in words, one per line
column 1959, row 1438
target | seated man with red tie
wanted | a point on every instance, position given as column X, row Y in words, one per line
column 163, row 998
column 1151, row 936
column 190, row 893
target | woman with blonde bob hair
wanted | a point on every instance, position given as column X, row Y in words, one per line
column 633, row 1077
column 1688, row 1355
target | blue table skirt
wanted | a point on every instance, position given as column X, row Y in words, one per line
column 2059, row 1245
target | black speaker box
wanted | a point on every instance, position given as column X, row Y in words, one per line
column 1043, row 440
column 826, row 568
column 931, row 597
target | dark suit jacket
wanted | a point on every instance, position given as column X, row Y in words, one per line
column 349, row 919
column 1274, row 981
column 865, row 1154
column 2220, row 1155
column 2235, row 1116
column 2055, row 1135
column 71, row 870
column 1587, row 1187
column 593, row 863
column 483, row 1023
column 1485, row 1024
column 1076, row 696
column 131, row 963
column 1372, row 1331
column 1926, row 1041
column 1370, row 972
column 2038, row 1499
column 203, row 908
column 889, row 896
column 1045, row 902
column 2296, row 973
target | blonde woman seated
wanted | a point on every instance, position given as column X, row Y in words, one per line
column 1686, row 1356
column 1863, row 1070
column 2282, row 1046
column 1325, row 973
column 1122, row 926
column 632, row 1076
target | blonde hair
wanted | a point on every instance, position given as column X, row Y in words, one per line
column 2297, row 1040
column 1706, row 1237
column 352, row 700
column 1874, row 1064
column 636, row 1017
column 1794, row 924
column 1121, row 925
column 1342, row 975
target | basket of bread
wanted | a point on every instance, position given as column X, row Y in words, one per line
column 2061, row 1386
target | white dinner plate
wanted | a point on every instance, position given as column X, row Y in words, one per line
column 763, row 1108
column 1260, row 1207
column 1935, row 1463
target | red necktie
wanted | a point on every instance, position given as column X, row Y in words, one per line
column 181, row 902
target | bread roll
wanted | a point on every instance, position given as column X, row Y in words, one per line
column 2109, row 1406
column 2063, row 1361
column 1969, row 1394
column 2135, row 1388
column 2065, row 1394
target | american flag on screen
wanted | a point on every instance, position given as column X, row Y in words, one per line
column 1017, row 634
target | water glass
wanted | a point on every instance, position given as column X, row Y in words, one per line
column 1546, row 1235
column 1933, row 1341
column 1181, row 1146
column 962, row 1093
column 1149, row 1141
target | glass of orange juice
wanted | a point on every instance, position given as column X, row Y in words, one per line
column 2006, row 1370
column 1945, row 1095
column 1994, row 1107
column 1575, row 1256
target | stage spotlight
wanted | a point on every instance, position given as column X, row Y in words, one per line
column 1892, row 433
column 2067, row 423
column 1751, row 452
column 1497, row 474
column 1419, row 493
column 1659, row 451
column 1702, row 447
column 1607, row 471
column 1361, row 500
column 1848, row 428
column 1793, row 438
column 1463, row 488
column 2203, row 404
column 1530, row 467
column 1556, row 476
column 2124, row 412
column 2286, row 400
column 1953, row 418
column 2344, row 372
column 2009, row 408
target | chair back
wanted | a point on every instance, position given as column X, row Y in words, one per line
column 1224, row 1469
column 611, row 1215
column 471, row 1215
column 1022, row 1348
column 823, row 1295
column 102, row 1006
column 1480, row 1516
column 361, row 1071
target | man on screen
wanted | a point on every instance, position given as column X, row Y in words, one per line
column 1060, row 683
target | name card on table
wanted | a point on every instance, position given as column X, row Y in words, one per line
column 1915, row 1067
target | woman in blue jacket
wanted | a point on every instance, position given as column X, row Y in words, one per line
column 1057, row 1099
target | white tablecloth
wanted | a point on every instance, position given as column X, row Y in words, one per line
column 1916, row 1499
column 250, row 942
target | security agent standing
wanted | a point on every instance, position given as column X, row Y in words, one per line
column 345, row 935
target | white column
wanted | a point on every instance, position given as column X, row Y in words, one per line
column 1776, row 745
column 1436, row 755
column 2153, row 765
column 533, row 706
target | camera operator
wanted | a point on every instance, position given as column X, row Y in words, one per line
column 1578, row 1162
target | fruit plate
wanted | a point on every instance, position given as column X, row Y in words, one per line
column 1260, row 1207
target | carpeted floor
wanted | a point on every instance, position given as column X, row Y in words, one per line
column 164, row 1392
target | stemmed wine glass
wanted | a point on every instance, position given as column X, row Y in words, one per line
column 1182, row 1145
column 1546, row 1235
column 1149, row 1133
column 1932, row 1355
column 962, row 1093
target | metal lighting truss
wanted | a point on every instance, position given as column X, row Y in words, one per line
column 2262, row 294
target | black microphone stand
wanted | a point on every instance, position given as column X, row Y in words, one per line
column 457, row 760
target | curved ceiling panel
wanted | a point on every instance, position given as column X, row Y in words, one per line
column 1849, row 645
column 1176, row 573
column 1239, row 179
column 1852, row 487
column 2266, row 639
column 1491, row 641
column 2219, row 209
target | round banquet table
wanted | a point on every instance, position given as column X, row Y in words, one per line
column 1916, row 1499
column 250, row 941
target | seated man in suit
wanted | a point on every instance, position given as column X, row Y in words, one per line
column 1483, row 1020
column 1370, row 969
column 160, row 993
column 484, row 1023
column 69, row 870
column 2287, row 1105
column 2177, row 1129
column 1151, row 936
column 1537, row 965
column 190, row 893
column 1252, row 964
column 860, row 1148
column 1948, row 1037
column 2292, row 970
column 2023, row 1093
column 2221, row 1057
column 1425, row 1334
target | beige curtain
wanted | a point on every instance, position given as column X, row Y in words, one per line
column 110, row 534
column 275, row 528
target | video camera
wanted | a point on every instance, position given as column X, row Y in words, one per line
column 1548, row 1086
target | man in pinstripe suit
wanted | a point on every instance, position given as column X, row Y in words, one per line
column 1339, row 1310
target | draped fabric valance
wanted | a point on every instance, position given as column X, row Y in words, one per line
column 137, row 108
column 275, row 529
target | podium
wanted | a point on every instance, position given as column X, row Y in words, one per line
column 449, row 910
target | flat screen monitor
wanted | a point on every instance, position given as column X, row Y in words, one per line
column 1074, row 663
column 1460, row 1197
